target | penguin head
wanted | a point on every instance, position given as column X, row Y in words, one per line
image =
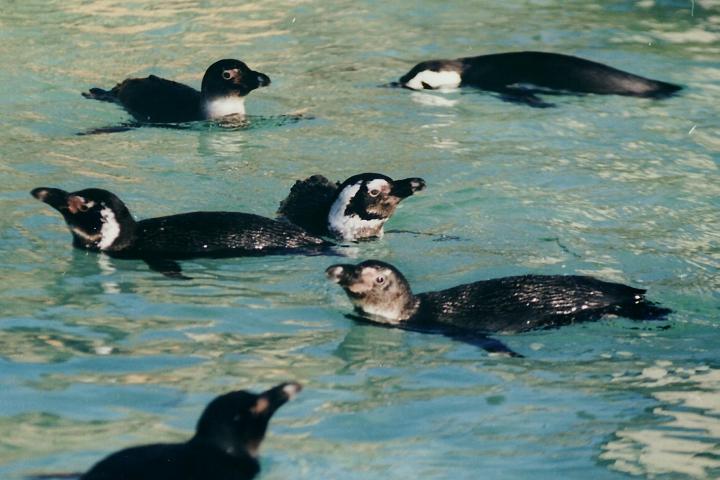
column 236, row 422
column 231, row 78
column 433, row 75
column 365, row 202
column 97, row 218
column 377, row 290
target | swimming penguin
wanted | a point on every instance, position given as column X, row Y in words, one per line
column 353, row 210
column 156, row 100
column 380, row 293
column 518, row 76
column 225, row 445
column 99, row 221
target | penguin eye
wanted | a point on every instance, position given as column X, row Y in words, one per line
column 374, row 192
column 380, row 280
column 227, row 75
column 85, row 206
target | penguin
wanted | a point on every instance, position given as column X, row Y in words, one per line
column 152, row 99
column 381, row 294
column 353, row 210
column 99, row 221
column 225, row 444
column 519, row 76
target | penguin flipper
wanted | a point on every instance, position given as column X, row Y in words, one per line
column 489, row 344
column 308, row 203
column 128, row 126
column 123, row 127
column 169, row 268
column 523, row 97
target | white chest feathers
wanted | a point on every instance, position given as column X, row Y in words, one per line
column 444, row 79
column 352, row 227
column 110, row 230
column 388, row 314
column 223, row 106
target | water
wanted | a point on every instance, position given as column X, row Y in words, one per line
column 97, row 354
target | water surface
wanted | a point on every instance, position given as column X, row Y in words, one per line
column 97, row 354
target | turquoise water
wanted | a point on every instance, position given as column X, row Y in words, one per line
column 97, row 354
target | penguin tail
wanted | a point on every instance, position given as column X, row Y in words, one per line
column 644, row 310
column 101, row 95
column 659, row 90
column 308, row 203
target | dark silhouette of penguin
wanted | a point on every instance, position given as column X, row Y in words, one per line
column 225, row 445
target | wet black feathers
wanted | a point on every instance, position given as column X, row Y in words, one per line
column 154, row 99
column 522, row 303
column 308, row 204
column 499, row 72
column 520, row 76
column 217, row 234
column 186, row 461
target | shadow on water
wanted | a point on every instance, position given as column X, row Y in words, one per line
column 230, row 123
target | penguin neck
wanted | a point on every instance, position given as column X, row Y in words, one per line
column 116, row 233
column 247, row 459
column 218, row 106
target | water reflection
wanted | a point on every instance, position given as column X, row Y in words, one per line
column 682, row 435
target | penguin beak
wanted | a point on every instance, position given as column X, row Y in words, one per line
column 405, row 188
column 262, row 79
column 277, row 396
column 340, row 274
column 56, row 198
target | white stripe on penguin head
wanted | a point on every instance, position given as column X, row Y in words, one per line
column 444, row 79
column 349, row 227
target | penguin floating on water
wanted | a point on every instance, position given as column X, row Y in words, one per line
column 99, row 221
column 225, row 444
column 381, row 294
column 355, row 209
column 520, row 76
column 152, row 99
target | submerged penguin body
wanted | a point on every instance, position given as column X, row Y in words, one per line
column 381, row 293
column 518, row 74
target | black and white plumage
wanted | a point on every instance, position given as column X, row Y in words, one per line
column 353, row 210
column 225, row 445
column 152, row 99
column 381, row 293
column 100, row 221
column 519, row 76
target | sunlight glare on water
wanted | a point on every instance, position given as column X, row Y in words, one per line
column 97, row 354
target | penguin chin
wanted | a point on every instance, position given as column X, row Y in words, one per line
column 378, row 313
column 85, row 239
